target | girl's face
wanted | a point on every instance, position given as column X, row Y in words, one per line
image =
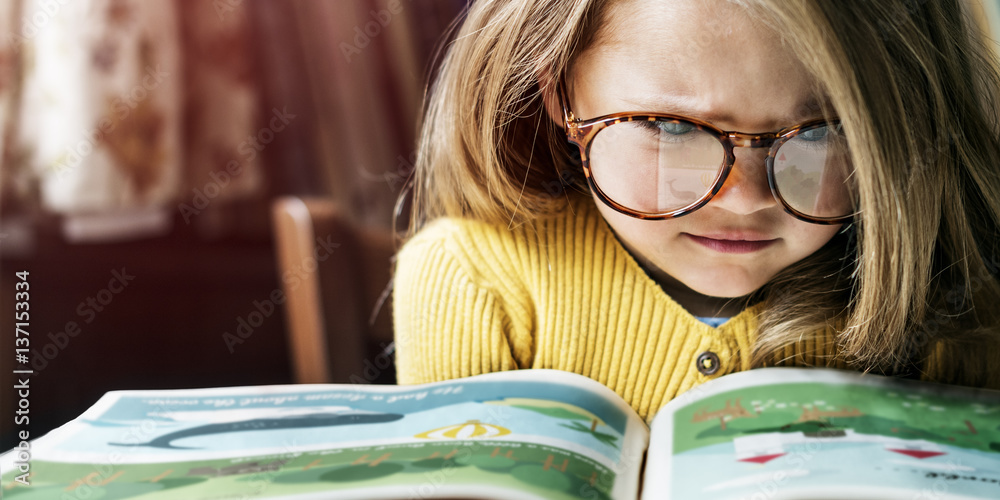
column 707, row 60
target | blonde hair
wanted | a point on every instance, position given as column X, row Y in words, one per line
column 486, row 134
column 916, row 93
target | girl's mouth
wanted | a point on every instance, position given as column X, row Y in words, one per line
column 732, row 244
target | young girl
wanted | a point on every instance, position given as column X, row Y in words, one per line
column 655, row 194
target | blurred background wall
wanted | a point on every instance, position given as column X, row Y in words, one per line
column 141, row 146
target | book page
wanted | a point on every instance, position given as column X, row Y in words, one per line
column 527, row 434
column 794, row 433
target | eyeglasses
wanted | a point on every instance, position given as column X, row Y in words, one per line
column 662, row 166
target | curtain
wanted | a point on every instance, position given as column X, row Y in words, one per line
column 97, row 122
column 127, row 118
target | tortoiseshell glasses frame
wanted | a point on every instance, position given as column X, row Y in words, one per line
column 582, row 132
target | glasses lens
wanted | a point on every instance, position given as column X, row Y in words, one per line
column 812, row 172
column 655, row 166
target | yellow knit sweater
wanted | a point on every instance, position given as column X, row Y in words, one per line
column 471, row 298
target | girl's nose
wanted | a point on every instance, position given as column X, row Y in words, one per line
column 745, row 190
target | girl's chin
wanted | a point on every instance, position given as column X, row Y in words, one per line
column 729, row 291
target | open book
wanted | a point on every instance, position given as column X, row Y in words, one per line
column 775, row 433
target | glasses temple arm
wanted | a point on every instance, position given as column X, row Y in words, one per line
column 563, row 101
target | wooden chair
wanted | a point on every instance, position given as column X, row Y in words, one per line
column 336, row 279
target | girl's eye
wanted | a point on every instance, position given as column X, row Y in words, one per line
column 675, row 128
column 815, row 134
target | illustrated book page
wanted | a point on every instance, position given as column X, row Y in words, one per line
column 534, row 434
column 794, row 433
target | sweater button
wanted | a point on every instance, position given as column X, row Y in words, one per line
column 708, row 363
